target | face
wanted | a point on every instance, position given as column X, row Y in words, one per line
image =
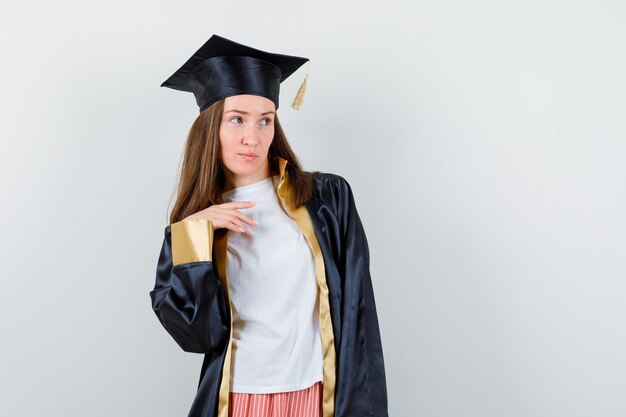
column 246, row 133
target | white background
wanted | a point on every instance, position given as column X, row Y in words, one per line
column 484, row 141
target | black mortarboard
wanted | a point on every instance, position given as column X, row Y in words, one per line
column 223, row 68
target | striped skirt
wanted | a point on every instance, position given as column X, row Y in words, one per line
column 302, row 403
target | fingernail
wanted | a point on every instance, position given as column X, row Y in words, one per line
column 241, row 229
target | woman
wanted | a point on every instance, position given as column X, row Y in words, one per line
column 264, row 267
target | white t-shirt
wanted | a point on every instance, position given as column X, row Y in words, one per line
column 274, row 293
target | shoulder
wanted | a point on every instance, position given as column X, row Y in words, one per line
column 327, row 179
column 334, row 191
column 326, row 182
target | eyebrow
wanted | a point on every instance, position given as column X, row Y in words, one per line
column 245, row 112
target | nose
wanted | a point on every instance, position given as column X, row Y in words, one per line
column 250, row 136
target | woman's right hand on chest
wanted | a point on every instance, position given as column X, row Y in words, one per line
column 227, row 215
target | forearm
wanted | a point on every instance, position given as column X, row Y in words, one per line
column 188, row 298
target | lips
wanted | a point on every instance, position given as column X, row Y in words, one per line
column 248, row 156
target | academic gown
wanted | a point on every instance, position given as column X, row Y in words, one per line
column 190, row 299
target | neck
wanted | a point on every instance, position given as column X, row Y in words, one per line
column 233, row 180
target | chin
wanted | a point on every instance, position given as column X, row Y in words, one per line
column 246, row 168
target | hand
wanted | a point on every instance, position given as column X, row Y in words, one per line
column 227, row 216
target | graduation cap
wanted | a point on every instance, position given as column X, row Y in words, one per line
column 223, row 68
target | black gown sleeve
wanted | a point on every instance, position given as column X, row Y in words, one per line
column 356, row 269
column 188, row 298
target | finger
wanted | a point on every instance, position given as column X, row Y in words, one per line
column 232, row 211
column 234, row 224
column 226, row 219
column 238, row 226
column 245, row 218
column 242, row 225
column 238, row 204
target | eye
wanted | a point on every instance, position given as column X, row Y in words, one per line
column 235, row 118
column 266, row 122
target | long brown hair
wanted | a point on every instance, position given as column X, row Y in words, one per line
column 202, row 178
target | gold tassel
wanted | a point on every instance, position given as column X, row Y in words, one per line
column 297, row 101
